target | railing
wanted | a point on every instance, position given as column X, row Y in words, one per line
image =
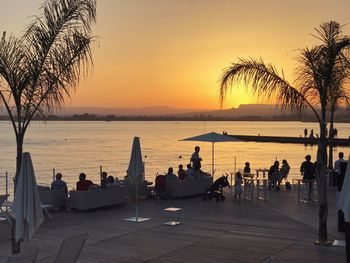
column 4, row 183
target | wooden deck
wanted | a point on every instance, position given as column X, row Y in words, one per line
column 248, row 231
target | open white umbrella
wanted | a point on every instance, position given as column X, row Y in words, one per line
column 212, row 137
column 26, row 205
column 136, row 175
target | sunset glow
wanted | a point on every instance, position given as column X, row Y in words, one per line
column 172, row 52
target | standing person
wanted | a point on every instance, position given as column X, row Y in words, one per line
column 238, row 186
column 103, row 180
column 337, row 162
column 196, row 160
column 312, row 133
column 340, row 168
column 59, row 183
column 307, row 170
column 247, row 169
column 305, row 132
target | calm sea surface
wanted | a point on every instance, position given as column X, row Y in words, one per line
column 74, row 147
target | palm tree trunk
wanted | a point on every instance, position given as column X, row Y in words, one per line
column 331, row 136
column 16, row 246
column 322, row 185
column 19, row 140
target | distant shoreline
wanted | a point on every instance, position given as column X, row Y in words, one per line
column 108, row 118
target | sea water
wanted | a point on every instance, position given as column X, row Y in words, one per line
column 71, row 147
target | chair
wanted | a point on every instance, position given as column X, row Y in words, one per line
column 70, row 249
column 28, row 256
column 3, row 198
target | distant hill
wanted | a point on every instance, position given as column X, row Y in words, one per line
column 245, row 110
column 256, row 112
column 144, row 111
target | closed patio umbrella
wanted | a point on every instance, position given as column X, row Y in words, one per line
column 136, row 169
column 26, row 205
column 212, row 137
column 136, row 173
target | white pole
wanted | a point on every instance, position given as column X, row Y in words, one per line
column 53, row 174
column 212, row 160
column 137, row 207
column 144, row 170
column 235, row 167
column 234, row 171
column 7, row 183
column 100, row 174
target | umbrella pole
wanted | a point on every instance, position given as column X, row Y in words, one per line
column 15, row 245
column 137, row 205
column 212, row 160
column 234, row 170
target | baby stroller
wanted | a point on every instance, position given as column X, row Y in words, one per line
column 216, row 190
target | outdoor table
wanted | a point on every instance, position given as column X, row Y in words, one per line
column 248, row 183
column 175, row 220
column 299, row 181
column 264, row 184
column 332, row 177
column 264, row 170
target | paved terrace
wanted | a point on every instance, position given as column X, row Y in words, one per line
column 246, row 231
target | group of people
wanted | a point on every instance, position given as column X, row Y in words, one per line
column 193, row 169
column 84, row 184
column 332, row 133
column 277, row 174
column 308, row 171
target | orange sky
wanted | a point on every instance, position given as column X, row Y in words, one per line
column 172, row 52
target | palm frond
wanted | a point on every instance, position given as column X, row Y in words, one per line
column 60, row 53
column 264, row 81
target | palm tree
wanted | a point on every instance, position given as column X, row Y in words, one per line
column 336, row 45
column 39, row 70
column 317, row 72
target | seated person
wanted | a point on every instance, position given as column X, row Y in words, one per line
column 83, row 184
column 110, row 181
column 275, row 176
column 189, row 171
column 59, row 183
column 116, row 181
column 103, row 179
column 285, row 169
column 181, row 172
column 170, row 175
